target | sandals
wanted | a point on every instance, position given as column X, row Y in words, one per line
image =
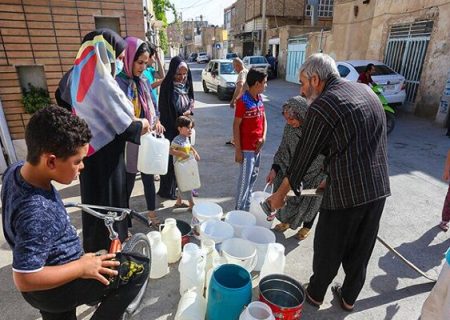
column 281, row 227
column 310, row 300
column 153, row 220
column 444, row 225
column 303, row 233
column 337, row 290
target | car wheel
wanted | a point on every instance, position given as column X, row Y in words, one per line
column 221, row 94
column 205, row 88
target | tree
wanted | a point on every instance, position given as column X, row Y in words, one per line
column 160, row 7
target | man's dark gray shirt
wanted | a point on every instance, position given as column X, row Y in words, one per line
column 347, row 124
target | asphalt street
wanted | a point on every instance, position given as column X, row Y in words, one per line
column 417, row 150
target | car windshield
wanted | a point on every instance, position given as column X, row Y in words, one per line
column 202, row 54
column 226, row 68
column 256, row 60
column 380, row 70
column 231, row 55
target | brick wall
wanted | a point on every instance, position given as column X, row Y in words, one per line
column 49, row 33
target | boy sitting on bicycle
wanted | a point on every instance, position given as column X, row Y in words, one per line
column 49, row 266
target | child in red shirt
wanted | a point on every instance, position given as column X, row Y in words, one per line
column 249, row 131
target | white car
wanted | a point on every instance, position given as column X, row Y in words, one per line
column 259, row 63
column 202, row 57
column 393, row 84
column 219, row 76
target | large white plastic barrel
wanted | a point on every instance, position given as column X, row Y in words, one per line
column 186, row 172
column 153, row 155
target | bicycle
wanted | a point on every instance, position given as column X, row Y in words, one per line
column 137, row 243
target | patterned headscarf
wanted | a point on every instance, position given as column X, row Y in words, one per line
column 89, row 87
column 296, row 107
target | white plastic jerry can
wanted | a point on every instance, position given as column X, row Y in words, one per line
column 186, row 173
column 171, row 237
column 153, row 157
column 159, row 264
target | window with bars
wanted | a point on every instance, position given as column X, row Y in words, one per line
column 325, row 8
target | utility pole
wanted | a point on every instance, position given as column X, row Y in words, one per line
column 263, row 27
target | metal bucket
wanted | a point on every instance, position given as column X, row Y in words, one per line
column 284, row 295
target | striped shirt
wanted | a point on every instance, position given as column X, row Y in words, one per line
column 346, row 123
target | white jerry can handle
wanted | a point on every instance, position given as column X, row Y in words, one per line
column 153, row 133
column 271, row 187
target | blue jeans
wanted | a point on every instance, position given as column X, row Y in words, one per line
column 247, row 178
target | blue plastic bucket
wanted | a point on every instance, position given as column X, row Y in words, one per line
column 230, row 290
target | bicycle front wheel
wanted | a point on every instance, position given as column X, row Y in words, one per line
column 138, row 243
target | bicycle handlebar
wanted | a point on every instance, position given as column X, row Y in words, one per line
column 116, row 214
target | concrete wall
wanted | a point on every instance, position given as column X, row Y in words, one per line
column 364, row 37
column 49, row 33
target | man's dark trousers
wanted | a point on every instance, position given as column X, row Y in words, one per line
column 344, row 236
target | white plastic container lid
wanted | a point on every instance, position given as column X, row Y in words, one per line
column 207, row 210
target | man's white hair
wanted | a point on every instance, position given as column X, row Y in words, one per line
column 238, row 61
column 320, row 64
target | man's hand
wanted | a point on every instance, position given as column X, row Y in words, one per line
column 259, row 144
column 95, row 267
column 271, row 176
column 238, row 156
column 196, row 156
column 276, row 201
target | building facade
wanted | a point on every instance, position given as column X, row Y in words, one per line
column 39, row 42
column 412, row 37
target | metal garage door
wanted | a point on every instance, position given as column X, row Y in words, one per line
column 295, row 58
column 405, row 53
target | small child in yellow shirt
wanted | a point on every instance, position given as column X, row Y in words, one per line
column 181, row 149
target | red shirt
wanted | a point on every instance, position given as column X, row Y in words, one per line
column 365, row 78
column 251, row 112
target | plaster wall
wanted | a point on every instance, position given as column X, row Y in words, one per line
column 365, row 36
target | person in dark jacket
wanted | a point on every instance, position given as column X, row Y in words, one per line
column 176, row 98
column 112, row 123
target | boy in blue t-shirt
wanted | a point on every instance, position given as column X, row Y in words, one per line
column 49, row 266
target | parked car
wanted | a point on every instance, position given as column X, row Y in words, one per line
column 258, row 62
column 392, row 83
column 202, row 57
column 192, row 57
column 231, row 55
column 219, row 76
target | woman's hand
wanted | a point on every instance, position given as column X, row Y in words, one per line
column 96, row 267
column 159, row 128
column 145, row 126
column 196, row 156
column 271, row 176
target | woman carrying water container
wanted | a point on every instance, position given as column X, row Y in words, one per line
column 135, row 87
column 298, row 209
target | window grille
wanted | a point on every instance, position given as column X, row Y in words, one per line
column 325, row 9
